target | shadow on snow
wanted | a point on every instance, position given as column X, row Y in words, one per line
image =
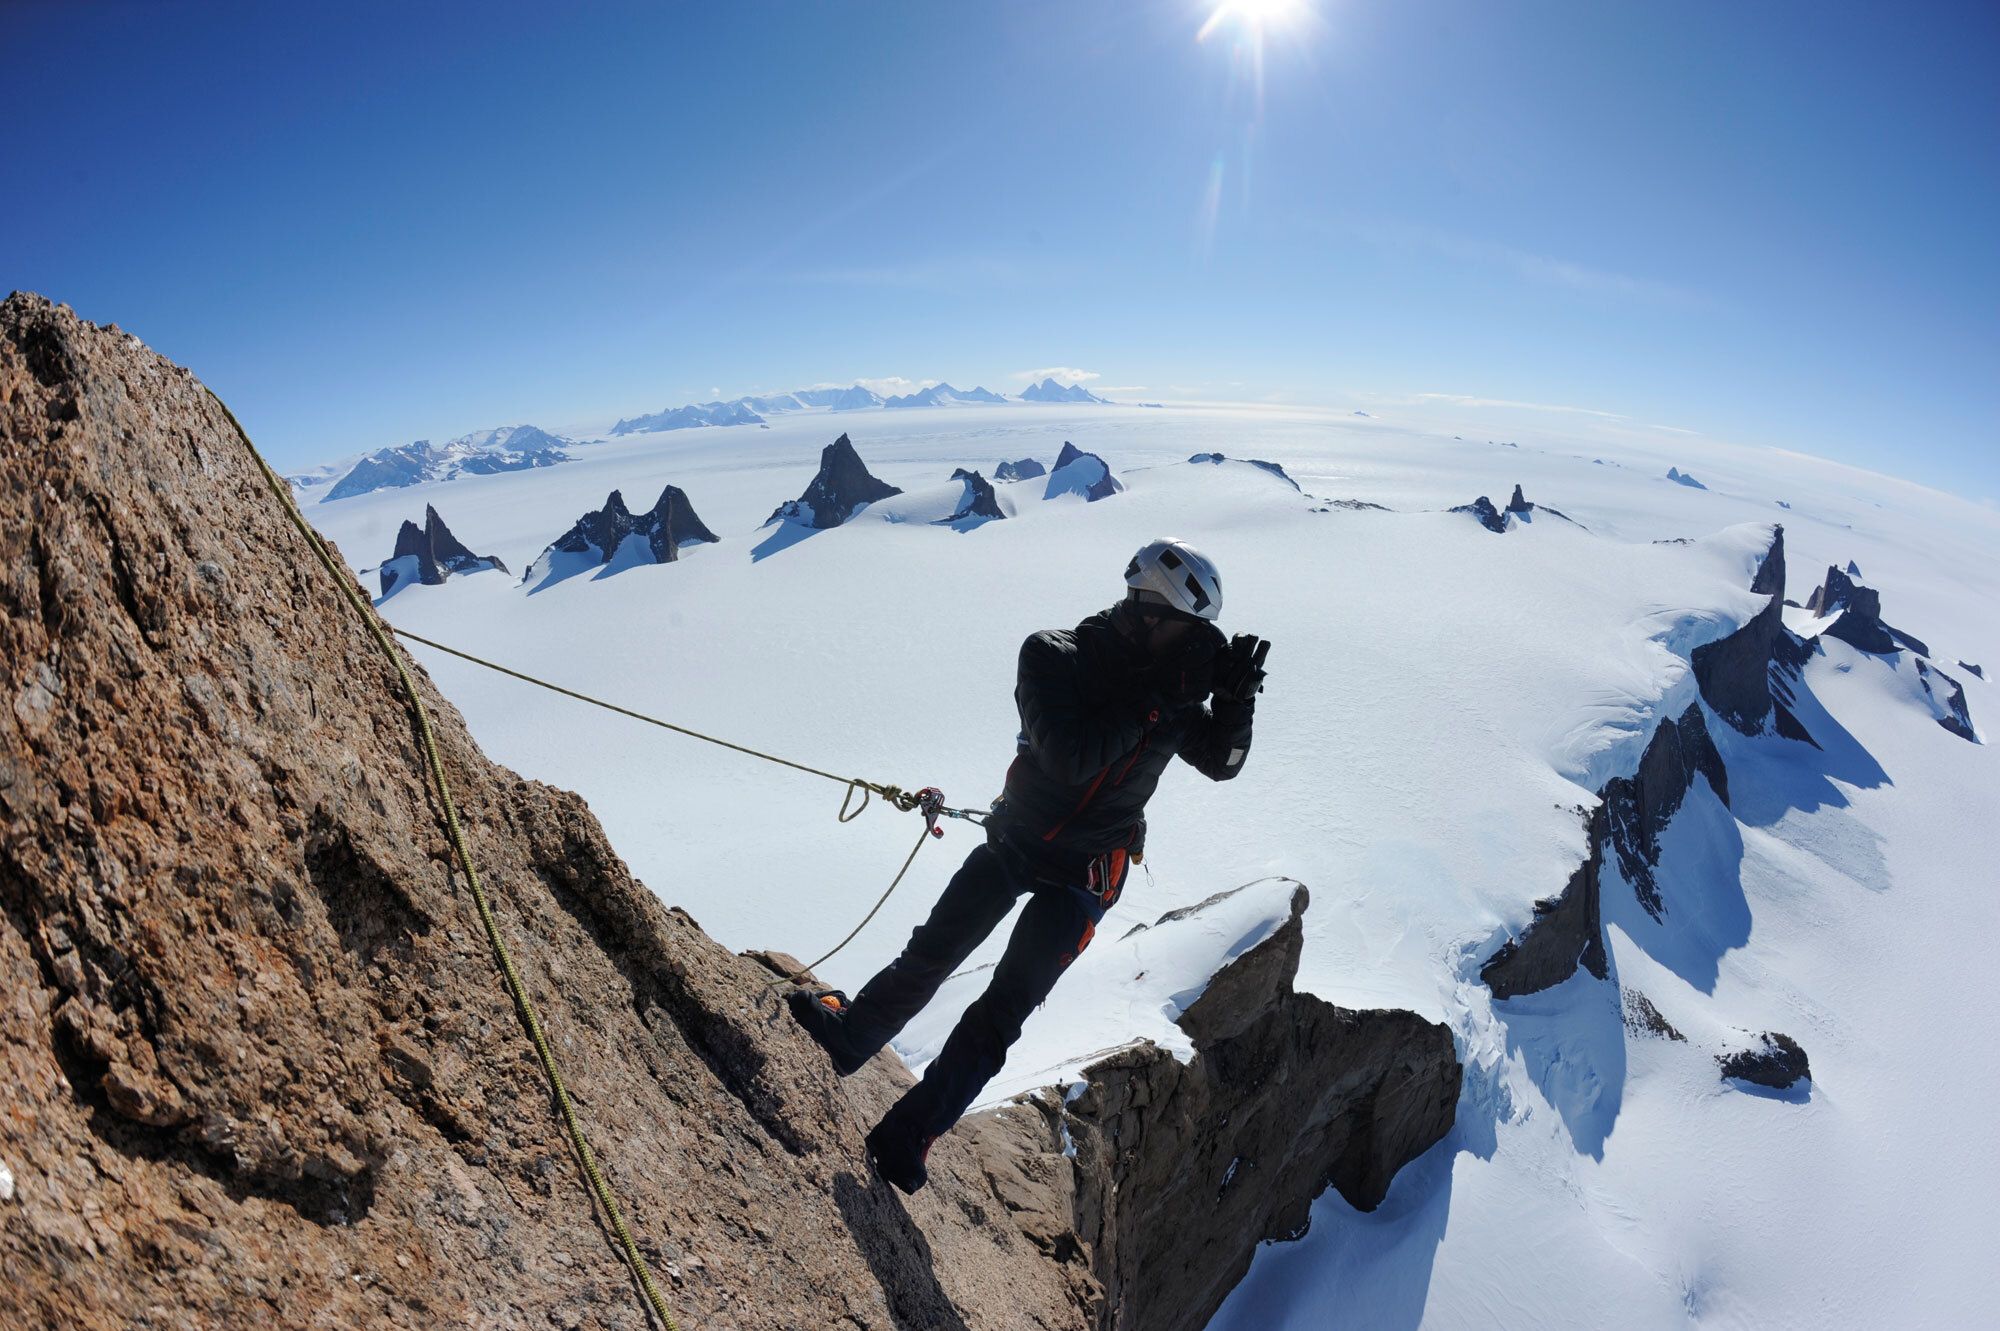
column 1571, row 1037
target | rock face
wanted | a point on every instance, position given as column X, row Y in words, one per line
column 1025, row 469
column 1180, row 1171
column 1638, row 807
column 1860, row 610
column 261, row 1069
column 979, row 501
column 1858, row 623
column 842, row 485
column 1524, row 509
column 431, row 554
column 1679, row 477
column 1567, row 930
column 1957, row 716
column 1489, row 517
column 1642, row 1018
column 599, row 534
column 1744, row 678
column 1747, row 677
column 1776, row 1061
column 1078, row 472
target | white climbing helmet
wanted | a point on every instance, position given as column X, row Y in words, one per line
column 1172, row 577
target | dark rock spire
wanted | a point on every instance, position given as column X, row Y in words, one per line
column 842, row 485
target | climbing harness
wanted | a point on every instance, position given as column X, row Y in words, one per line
column 515, row 988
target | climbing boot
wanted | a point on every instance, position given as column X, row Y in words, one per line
column 898, row 1156
column 824, row 1015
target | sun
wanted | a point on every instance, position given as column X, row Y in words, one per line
column 1255, row 15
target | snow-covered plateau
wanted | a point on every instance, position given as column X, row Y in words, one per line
column 1445, row 701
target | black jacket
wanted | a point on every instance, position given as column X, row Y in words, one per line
column 1100, row 721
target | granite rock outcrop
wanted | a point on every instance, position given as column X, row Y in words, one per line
column 1175, row 1172
column 600, row 535
column 1746, row 679
column 1489, row 517
column 842, row 485
column 979, row 502
column 1775, row 1061
column 429, row 554
column 1859, row 610
column 1078, row 472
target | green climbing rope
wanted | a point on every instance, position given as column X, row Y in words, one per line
column 895, row 795
column 522, row 1005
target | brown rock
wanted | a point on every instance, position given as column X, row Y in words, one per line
column 1181, row 1170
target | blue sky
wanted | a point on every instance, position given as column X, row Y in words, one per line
column 366, row 224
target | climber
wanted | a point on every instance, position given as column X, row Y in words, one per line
column 1104, row 708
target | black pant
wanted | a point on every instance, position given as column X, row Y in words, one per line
column 1056, row 925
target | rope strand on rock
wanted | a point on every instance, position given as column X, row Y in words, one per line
column 523, row 1006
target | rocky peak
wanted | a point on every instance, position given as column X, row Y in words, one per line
column 979, row 501
column 1840, row 592
column 1048, row 390
column 1747, row 677
column 1860, row 610
column 1948, row 697
column 1519, row 503
column 598, row 536
column 1178, row 1171
column 430, row 554
column 1024, row 469
column 842, row 485
column 1078, row 472
column 1489, row 517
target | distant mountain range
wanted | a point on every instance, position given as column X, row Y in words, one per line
column 942, row 395
column 753, row 410
column 1048, row 390
column 519, row 447
column 682, row 418
column 481, row 453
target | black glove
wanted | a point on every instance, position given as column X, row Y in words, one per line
column 1185, row 673
column 1239, row 672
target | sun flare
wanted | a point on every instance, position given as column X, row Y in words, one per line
column 1255, row 15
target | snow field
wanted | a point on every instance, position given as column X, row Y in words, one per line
column 1442, row 699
